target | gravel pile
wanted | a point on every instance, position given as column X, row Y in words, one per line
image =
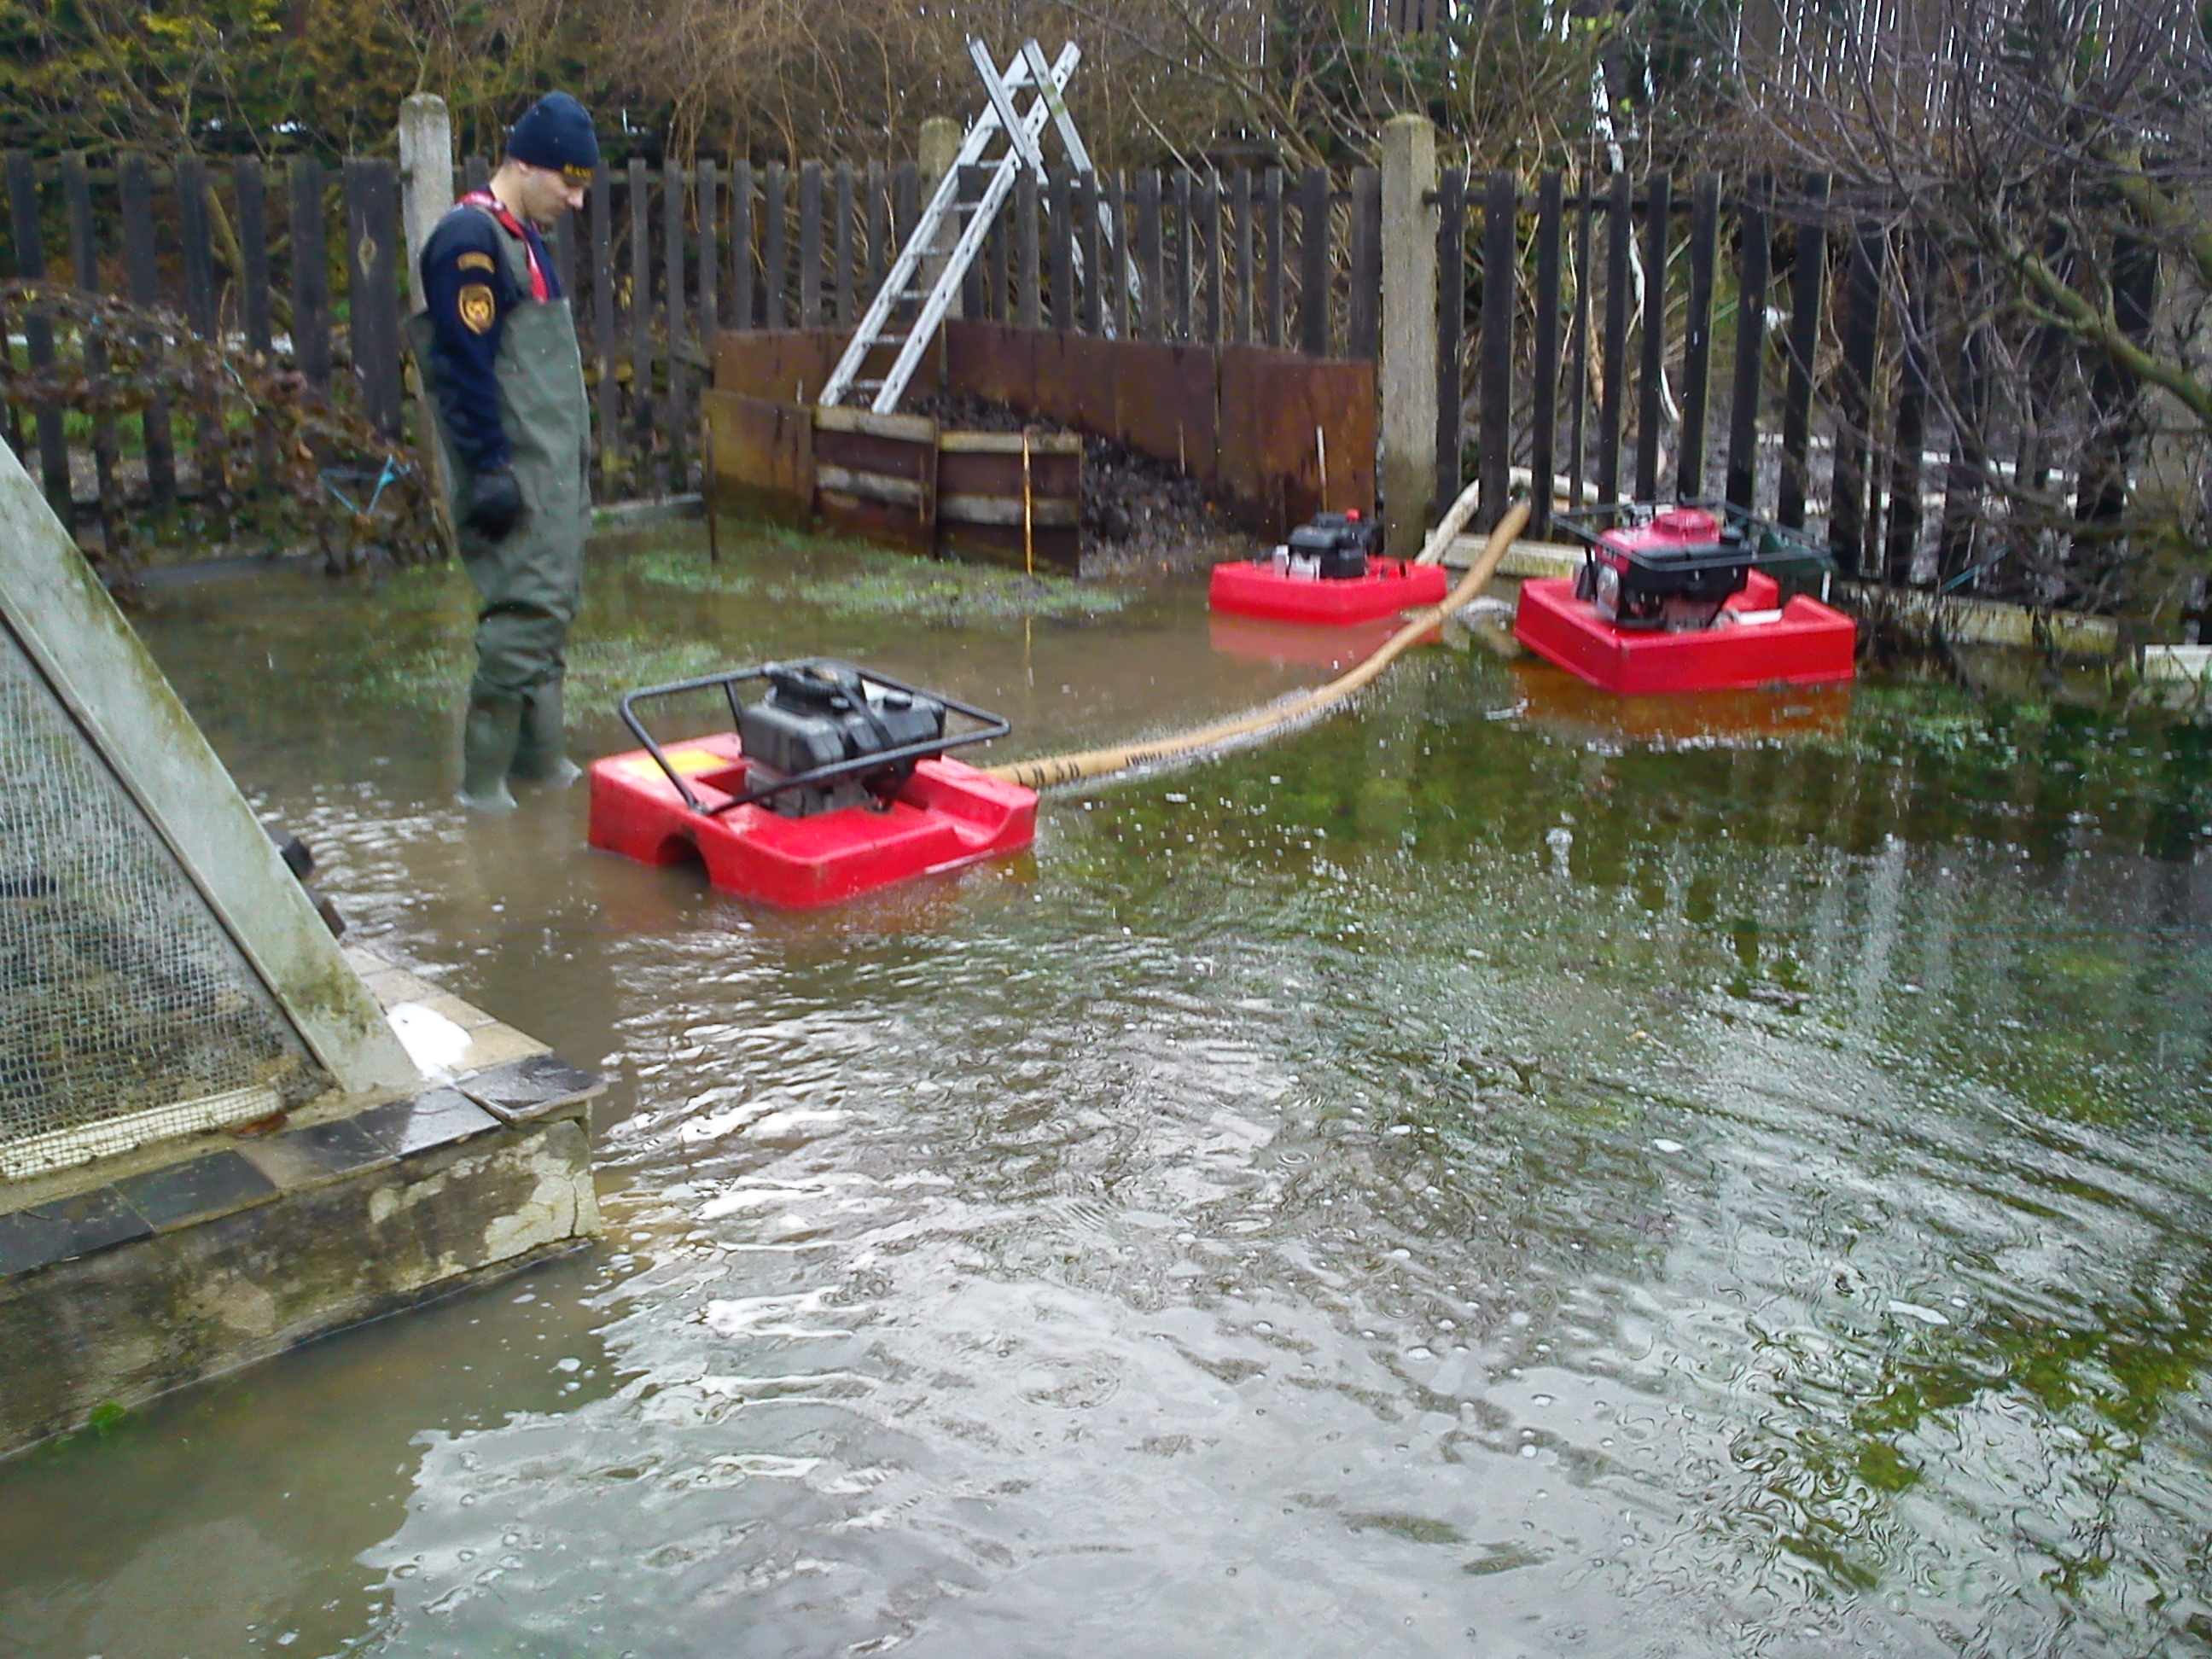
column 1139, row 515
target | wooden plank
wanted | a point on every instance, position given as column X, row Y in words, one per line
column 971, row 197
column 642, row 422
column 1909, row 420
column 136, row 195
column 23, row 207
column 1239, row 331
column 1543, row 412
column 1451, row 329
column 871, row 486
column 1698, row 337
column 810, row 245
column 708, row 191
column 476, row 174
column 1650, row 435
column 675, row 322
column 1271, row 230
column 1179, row 258
column 840, row 247
column 1007, row 443
column 607, row 437
column 1807, row 280
column 1363, row 312
column 909, row 429
column 1060, row 210
column 198, row 247
column 248, row 190
column 1151, row 266
column 1029, row 310
column 1056, row 512
column 877, row 213
column 372, row 241
column 775, row 249
column 1578, row 345
column 1206, row 252
column 998, row 292
column 84, row 271
column 1117, row 254
column 1754, row 232
column 1618, row 228
column 906, row 202
column 1313, row 262
column 744, row 215
column 1850, row 514
column 1092, row 310
column 309, row 270
column 1501, row 274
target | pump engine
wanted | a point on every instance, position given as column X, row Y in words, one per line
column 1673, row 568
column 821, row 711
column 1328, row 547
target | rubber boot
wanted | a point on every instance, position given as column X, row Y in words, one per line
column 541, row 755
column 488, row 739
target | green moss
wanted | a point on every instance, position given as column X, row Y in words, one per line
column 847, row 581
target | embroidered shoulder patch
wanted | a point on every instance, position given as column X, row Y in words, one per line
column 478, row 310
column 475, row 259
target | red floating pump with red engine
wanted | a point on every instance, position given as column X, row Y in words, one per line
column 835, row 783
column 1329, row 573
column 1685, row 598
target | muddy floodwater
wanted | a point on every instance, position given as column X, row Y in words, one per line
column 1499, row 1173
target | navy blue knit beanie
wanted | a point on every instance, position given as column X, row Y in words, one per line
column 555, row 131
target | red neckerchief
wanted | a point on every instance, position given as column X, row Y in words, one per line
column 539, row 289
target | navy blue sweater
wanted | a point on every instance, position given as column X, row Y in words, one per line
column 465, row 282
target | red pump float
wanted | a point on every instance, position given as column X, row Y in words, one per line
column 1674, row 601
column 834, row 784
column 1325, row 574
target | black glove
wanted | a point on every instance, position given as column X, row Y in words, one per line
column 494, row 505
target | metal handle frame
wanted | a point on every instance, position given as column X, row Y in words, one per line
column 992, row 725
column 1587, row 524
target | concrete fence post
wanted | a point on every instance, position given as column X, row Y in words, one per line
column 426, row 178
column 426, row 195
column 941, row 148
column 1406, row 381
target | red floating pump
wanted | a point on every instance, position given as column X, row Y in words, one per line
column 1685, row 598
column 834, row 784
column 1326, row 573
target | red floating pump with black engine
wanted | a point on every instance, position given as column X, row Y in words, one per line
column 1685, row 598
column 834, row 784
column 1327, row 572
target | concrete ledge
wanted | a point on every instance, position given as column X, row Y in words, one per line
column 122, row 1280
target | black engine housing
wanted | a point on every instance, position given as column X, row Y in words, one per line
column 820, row 713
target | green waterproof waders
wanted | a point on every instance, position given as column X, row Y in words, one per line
column 527, row 584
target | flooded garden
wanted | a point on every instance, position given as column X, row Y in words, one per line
column 1499, row 1172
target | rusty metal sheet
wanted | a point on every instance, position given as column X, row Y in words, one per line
column 1052, row 477
column 764, row 456
column 792, row 364
column 992, row 361
column 1057, row 548
column 980, row 504
column 1273, row 405
column 1164, row 403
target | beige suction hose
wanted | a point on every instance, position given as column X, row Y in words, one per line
column 1053, row 770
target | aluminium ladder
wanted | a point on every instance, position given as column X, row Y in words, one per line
column 1029, row 71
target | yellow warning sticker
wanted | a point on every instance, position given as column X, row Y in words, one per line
column 687, row 762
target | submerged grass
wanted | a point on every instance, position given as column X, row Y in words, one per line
column 847, row 581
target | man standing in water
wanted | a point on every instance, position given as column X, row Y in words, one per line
column 499, row 347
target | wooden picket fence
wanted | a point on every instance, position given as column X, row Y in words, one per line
column 302, row 262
